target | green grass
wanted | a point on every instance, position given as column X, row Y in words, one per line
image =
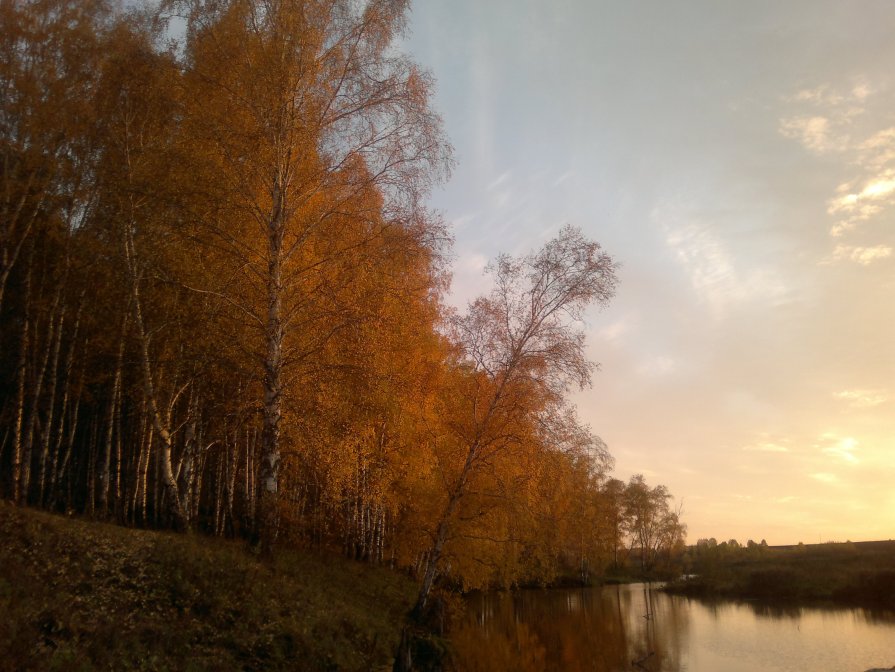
column 81, row 595
column 861, row 574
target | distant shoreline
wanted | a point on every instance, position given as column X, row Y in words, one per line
column 857, row 574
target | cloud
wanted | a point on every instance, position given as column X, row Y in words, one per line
column 861, row 91
column 710, row 266
column 840, row 447
column 863, row 398
column 820, row 95
column 860, row 255
column 862, row 205
column 880, row 140
column 826, row 95
column 813, row 132
column 841, row 228
column 823, row 124
column 767, row 447
column 878, row 150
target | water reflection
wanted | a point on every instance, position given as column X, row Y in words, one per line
column 780, row 610
column 596, row 630
column 637, row 627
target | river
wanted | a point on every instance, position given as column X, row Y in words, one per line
column 610, row 629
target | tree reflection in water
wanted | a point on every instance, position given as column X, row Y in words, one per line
column 635, row 627
column 599, row 630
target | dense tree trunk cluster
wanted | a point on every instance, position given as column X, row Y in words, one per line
column 220, row 302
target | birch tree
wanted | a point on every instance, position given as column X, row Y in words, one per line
column 521, row 342
column 652, row 524
column 304, row 107
column 137, row 221
column 49, row 54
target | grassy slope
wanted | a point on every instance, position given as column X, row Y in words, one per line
column 79, row 595
column 861, row 574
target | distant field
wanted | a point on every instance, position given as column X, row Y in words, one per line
column 884, row 547
column 858, row 573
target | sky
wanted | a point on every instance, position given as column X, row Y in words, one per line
column 738, row 160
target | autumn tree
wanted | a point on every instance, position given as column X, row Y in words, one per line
column 136, row 100
column 221, row 303
column 654, row 527
column 304, row 107
column 359, row 424
column 611, row 523
column 571, row 504
column 49, row 51
column 520, row 343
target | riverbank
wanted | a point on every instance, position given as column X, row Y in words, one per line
column 77, row 594
column 855, row 574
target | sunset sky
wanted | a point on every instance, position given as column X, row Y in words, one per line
column 738, row 160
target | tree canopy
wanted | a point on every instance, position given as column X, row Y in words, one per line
column 221, row 303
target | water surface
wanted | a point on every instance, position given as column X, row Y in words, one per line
column 638, row 627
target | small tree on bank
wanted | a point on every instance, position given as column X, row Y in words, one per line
column 520, row 343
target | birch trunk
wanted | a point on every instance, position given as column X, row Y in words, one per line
column 91, row 468
column 17, row 442
column 66, row 389
column 267, row 523
column 72, row 429
column 219, row 495
column 145, row 477
column 6, row 433
column 106, row 471
column 21, row 370
column 250, row 492
column 119, row 497
column 187, row 468
column 170, row 483
column 51, row 408
column 33, row 423
column 233, row 463
column 131, row 511
column 434, row 556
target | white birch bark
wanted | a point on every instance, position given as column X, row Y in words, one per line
column 47, row 429
column 21, row 372
column 106, row 468
column 63, row 406
column 268, row 496
column 161, row 427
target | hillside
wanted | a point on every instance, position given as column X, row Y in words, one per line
column 79, row 595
